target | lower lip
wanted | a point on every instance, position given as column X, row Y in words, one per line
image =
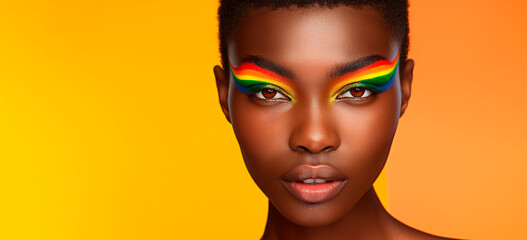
column 314, row 193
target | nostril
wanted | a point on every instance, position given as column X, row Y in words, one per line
column 306, row 149
column 327, row 149
column 302, row 149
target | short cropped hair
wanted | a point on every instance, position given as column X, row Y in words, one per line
column 393, row 12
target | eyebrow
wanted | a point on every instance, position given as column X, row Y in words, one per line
column 269, row 65
column 345, row 68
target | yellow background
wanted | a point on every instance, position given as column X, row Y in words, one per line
column 110, row 126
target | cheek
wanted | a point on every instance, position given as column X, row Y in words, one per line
column 261, row 132
column 367, row 132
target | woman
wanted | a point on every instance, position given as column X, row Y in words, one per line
column 314, row 91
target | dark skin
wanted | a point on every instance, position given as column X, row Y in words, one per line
column 352, row 135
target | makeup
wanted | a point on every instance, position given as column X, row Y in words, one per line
column 250, row 78
column 377, row 77
column 314, row 183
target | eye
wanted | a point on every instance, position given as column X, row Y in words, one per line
column 270, row 94
column 355, row 93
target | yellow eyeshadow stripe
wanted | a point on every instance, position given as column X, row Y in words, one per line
column 263, row 76
column 289, row 91
column 369, row 73
column 358, row 77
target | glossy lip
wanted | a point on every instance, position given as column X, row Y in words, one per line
column 314, row 193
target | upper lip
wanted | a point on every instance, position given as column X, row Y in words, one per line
column 312, row 171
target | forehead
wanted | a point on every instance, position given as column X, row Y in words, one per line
column 312, row 36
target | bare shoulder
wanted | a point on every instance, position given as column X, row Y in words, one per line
column 419, row 235
column 403, row 231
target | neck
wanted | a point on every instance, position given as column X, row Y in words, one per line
column 367, row 220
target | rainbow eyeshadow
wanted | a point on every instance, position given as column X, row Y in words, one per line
column 250, row 78
column 377, row 77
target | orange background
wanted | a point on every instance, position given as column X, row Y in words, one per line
column 458, row 163
column 110, row 126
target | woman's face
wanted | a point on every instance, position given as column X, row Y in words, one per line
column 314, row 152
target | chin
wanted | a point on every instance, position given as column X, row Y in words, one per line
column 312, row 215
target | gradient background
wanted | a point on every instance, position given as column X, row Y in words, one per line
column 110, row 126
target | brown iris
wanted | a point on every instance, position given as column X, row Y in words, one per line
column 269, row 93
column 357, row 92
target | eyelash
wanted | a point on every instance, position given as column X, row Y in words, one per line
column 366, row 86
column 254, row 90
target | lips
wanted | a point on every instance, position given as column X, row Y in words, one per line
column 314, row 183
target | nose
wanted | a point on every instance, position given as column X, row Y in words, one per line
column 315, row 132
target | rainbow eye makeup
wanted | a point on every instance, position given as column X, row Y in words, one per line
column 376, row 77
column 250, row 78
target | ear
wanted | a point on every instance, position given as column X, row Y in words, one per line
column 407, row 74
column 222, row 84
